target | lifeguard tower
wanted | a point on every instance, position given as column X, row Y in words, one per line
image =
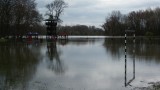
column 51, row 28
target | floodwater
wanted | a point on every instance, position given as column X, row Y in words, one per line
column 79, row 64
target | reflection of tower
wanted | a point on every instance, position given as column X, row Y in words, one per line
column 127, row 82
column 55, row 63
column 52, row 50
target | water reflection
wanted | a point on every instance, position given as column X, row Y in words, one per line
column 63, row 42
column 78, row 64
column 128, row 82
column 147, row 52
column 17, row 66
column 82, row 41
column 54, row 63
column 146, row 49
column 115, row 47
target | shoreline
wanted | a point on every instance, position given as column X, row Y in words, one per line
column 152, row 86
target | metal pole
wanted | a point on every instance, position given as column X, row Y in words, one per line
column 128, row 82
column 125, row 60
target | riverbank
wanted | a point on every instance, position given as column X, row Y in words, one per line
column 153, row 86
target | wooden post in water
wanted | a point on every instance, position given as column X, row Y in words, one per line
column 134, row 42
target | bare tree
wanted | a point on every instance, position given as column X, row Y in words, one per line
column 113, row 24
column 55, row 9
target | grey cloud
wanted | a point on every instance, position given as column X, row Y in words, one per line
column 93, row 12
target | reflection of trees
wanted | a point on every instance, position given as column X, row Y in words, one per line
column 54, row 62
column 81, row 41
column 114, row 46
column 145, row 49
column 17, row 66
column 148, row 49
column 77, row 41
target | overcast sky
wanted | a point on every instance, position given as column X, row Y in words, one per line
column 94, row 12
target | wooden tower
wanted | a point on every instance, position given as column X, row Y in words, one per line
column 51, row 27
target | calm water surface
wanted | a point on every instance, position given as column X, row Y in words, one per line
column 79, row 64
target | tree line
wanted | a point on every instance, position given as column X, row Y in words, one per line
column 80, row 30
column 144, row 22
column 18, row 17
column 22, row 16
